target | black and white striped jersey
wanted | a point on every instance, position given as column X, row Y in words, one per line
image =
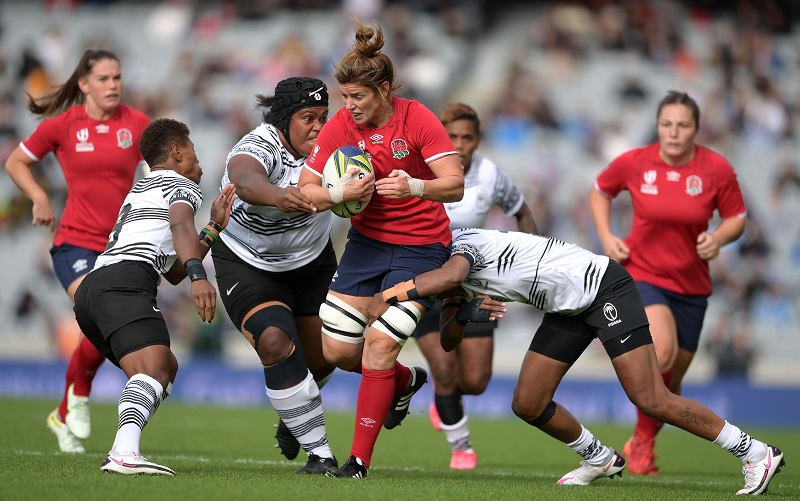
column 548, row 273
column 263, row 236
column 142, row 231
column 485, row 186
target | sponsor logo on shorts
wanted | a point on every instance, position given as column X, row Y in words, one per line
column 228, row 291
column 621, row 341
column 610, row 312
column 156, row 310
column 80, row 265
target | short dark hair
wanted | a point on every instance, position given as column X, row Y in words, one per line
column 460, row 111
column 678, row 97
column 158, row 138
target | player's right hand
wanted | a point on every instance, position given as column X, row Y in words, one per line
column 43, row 214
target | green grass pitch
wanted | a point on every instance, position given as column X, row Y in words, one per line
column 228, row 454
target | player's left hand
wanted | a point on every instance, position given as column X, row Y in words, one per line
column 480, row 309
column 292, row 200
column 396, row 185
column 221, row 206
column 377, row 307
column 707, row 246
column 205, row 299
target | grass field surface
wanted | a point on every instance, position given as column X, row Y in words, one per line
column 228, row 454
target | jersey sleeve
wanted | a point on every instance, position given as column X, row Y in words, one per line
column 44, row 139
column 505, row 194
column 730, row 201
column 467, row 243
column 186, row 192
column 255, row 147
column 332, row 136
column 434, row 141
column 611, row 181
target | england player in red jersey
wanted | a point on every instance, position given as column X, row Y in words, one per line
column 403, row 231
column 96, row 141
column 675, row 186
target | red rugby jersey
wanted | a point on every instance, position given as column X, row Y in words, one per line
column 671, row 207
column 413, row 138
column 99, row 159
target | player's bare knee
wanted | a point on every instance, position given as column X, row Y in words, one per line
column 274, row 346
column 475, row 383
column 534, row 413
column 342, row 355
column 274, row 333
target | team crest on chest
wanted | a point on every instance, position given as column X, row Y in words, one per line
column 694, row 185
column 124, row 138
column 648, row 188
column 399, row 148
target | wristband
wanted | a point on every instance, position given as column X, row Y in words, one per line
column 195, row 270
column 214, row 225
column 404, row 291
column 337, row 193
column 416, row 186
column 208, row 235
column 472, row 312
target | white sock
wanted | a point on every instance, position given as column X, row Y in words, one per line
column 138, row 402
column 300, row 408
column 740, row 444
column 590, row 449
column 458, row 435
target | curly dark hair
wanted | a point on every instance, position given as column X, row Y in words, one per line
column 158, row 138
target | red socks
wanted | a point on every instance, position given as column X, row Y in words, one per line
column 83, row 365
column 374, row 398
column 402, row 375
column 646, row 427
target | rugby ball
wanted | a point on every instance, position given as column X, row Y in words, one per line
column 340, row 161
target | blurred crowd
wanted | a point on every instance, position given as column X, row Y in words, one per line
column 562, row 88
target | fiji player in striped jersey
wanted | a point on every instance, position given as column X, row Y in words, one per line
column 275, row 261
column 584, row 296
column 116, row 306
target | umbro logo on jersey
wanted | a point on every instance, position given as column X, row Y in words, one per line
column 376, row 139
column 368, row 422
column 101, row 129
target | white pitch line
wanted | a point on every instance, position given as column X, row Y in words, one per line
column 474, row 473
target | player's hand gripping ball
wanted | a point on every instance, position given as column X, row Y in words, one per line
column 340, row 161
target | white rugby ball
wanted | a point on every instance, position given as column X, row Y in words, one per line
column 340, row 161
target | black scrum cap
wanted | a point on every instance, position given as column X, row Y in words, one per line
column 293, row 94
